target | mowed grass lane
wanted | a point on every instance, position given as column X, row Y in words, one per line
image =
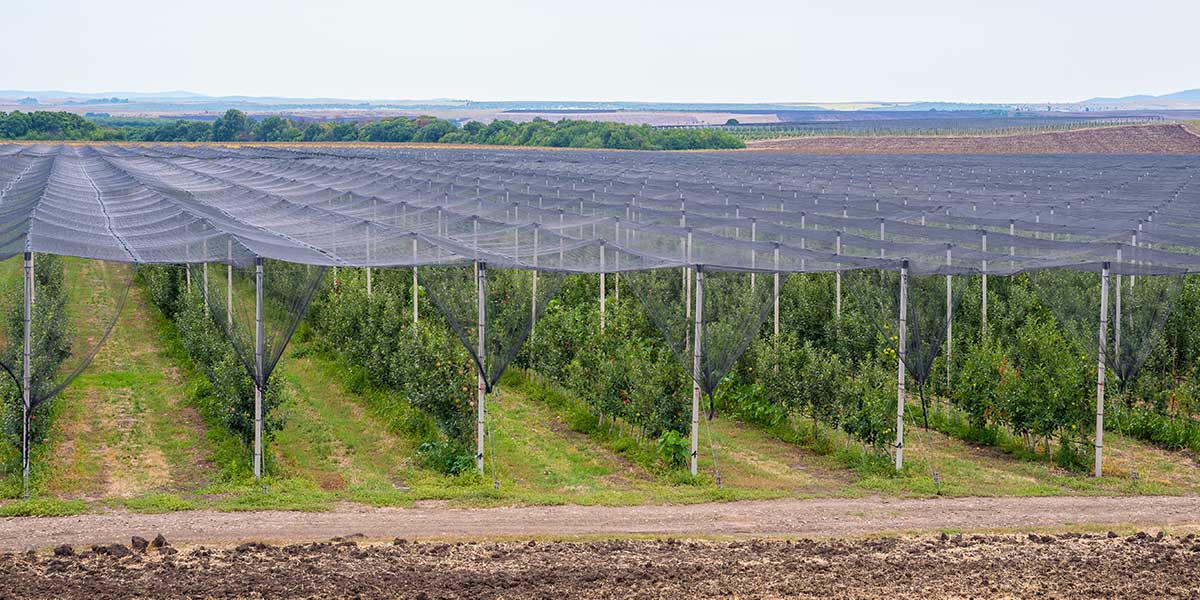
column 123, row 430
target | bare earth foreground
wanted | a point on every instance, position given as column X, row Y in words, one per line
column 960, row 566
column 424, row 561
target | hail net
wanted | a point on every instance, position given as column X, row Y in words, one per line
column 735, row 216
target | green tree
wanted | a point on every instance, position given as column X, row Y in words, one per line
column 232, row 126
column 276, row 129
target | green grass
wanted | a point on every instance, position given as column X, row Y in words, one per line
column 124, row 428
column 158, row 502
column 42, row 507
column 966, row 468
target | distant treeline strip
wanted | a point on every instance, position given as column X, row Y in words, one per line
column 234, row 125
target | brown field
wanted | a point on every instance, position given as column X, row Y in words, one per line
column 1071, row 565
column 1133, row 139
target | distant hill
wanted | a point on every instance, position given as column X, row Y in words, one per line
column 1187, row 99
column 176, row 103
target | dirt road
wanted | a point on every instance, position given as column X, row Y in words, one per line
column 789, row 517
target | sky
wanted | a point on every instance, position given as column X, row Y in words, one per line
column 643, row 50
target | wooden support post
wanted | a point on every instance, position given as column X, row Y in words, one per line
column 26, row 374
column 481, row 278
column 259, row 379
column 775, row 295
column 1100, row 368
column 603, row 296
column 983, row 306
column 949, row 319
column 900, row 355
column 533, row 295
column 414, row 285
column 837, row 281
column 696, row 368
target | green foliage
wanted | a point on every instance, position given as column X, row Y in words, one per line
column 232, row 126
column 229, row 398
column 425, row 361
column 235, row 126
column 625, row 372
column 673, row 449
column 42, row 507
column 276, row 129
column 446, row 456
column 50, row 345
column 870, row 402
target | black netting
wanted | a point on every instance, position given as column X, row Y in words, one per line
column 230, row 291
column 733, row 308
column 513, row 301
column 73, row 306
column 1138, row 307
column 930, row 301
column 367, row 206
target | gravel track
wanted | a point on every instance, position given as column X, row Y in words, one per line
column 771, row 518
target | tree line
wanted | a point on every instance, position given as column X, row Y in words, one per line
column 235, row 126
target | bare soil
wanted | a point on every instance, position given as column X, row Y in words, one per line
column 1134, row 139
column 972, row 566
column 834, row 517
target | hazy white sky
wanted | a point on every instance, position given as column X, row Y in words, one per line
column 686, row 50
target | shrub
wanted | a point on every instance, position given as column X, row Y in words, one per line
column 228, row 400
column 673, row 449
column 424, row 361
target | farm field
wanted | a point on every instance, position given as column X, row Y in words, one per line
column 1134, row 139
column 950, row 566
column 370, row 422
column 126, row 438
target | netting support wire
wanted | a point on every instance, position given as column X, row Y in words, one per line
column 414, row 286
column 900, row 353
column 696, row 374
column 1100, row 366
column 481, row 281
column 602, row 282
column 26, row 374
column 837, row 281
column 983, row 305
column 949, row 319
column 258, row 367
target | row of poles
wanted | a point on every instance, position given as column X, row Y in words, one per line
column 697, row 318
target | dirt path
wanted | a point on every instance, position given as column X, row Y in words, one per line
column 123, row 427
column 825, row 517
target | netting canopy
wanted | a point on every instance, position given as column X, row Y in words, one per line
column 598, row 211
column 701, row 237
